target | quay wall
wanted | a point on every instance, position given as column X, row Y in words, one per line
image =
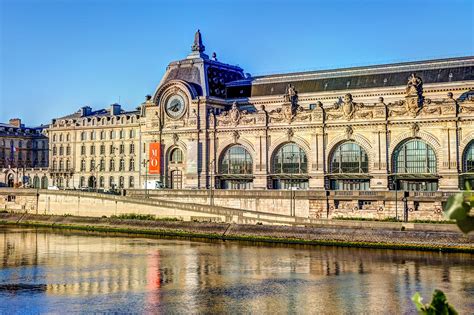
column 439, row 237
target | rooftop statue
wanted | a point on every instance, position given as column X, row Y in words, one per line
column 198, row 46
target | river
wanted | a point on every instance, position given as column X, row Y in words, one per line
column 59, row 271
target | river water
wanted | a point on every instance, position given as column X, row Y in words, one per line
column 46, row 271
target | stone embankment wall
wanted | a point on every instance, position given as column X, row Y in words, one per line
column 276, row 207
column 315, row 204
column 343, row 233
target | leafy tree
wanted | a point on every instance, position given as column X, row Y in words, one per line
column 457, row 208
column 438, row 306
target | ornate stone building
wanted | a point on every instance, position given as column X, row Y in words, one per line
column 23, row 154
column 95, row 149
column 407, row 126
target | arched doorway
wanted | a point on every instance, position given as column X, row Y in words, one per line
column 10, row 180
column 91, row 183
column 175, row 166
column 176, row 179
column 236, row 169
column 290, row 167
column 36, row 182
column 415, row 166
column 349, row 167
column 44, row 182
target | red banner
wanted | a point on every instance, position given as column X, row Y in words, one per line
column 154, row 164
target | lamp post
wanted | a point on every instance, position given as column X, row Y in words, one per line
column 211, row 172
column 396, row 195
column 292, row 206
column 145, row 164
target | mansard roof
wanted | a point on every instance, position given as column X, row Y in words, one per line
column 377, row 76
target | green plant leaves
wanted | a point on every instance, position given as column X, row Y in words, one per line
column 438, row 306
column 458, row 209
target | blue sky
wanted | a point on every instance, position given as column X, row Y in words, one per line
column 56, row 56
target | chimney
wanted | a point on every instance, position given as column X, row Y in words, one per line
column 115, row 109
column 85, row 111
column 15, row 122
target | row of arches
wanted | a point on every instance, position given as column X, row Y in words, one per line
column 413, row 167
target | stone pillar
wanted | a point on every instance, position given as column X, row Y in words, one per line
column 261, row 161
column 317, row 167
column 379, row 165
column 449, row 166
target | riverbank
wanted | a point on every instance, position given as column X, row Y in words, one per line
column 436, row 237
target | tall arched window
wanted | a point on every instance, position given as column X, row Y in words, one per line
column 82, row 182
column 414, row 166
column 468, row 166
column 121, row 182
column 176, row 156
column 290, row 167
column 236, row 168
column 349, row 167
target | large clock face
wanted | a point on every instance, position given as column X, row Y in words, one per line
column 175, row 106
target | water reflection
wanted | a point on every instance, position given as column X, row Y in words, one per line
column 44, row 271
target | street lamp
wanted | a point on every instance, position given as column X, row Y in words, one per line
column 211, row 172
column 145, row 164
column 292, row 205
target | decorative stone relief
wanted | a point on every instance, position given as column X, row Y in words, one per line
column 348, row 109
column 235, row 136
column 348, row 131
column 415, row 128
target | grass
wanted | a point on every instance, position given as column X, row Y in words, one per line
column 394, row 220
column 250, row 238
column 146, row 217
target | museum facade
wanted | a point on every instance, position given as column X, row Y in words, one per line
column 406, row 126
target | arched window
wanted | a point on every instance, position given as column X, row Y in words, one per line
column 131, row 165
column 83, row 165
column 414, row 156
column 111, row 182
column 348, row 168
column 131, row 182
column 83, row 136
column 349, row 157
column 68, row 165
column 112, row 165
column 176, row 156
column 61, row 137
column 121, row 182
column 92, row 165
column 468, row 160
column 235, row 169
column 82, row 182
column 290, row 159
column 61, row 165
column 468, row 166
column 236, row 160
column 414, row 166
column 122, row 165
column 101, row 182
column 102, row 165
column 102, row 135
column 290, row 167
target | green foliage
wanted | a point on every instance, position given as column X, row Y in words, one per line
column 457, row 208
column 147, row 217
column 438, row 306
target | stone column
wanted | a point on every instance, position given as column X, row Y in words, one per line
column 378, row 166
column 261, row 160
column 449, row 166
column 317, row 167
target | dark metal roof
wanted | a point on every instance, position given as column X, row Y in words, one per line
column 434, row 71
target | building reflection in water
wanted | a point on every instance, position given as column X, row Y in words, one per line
column 81, row 271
